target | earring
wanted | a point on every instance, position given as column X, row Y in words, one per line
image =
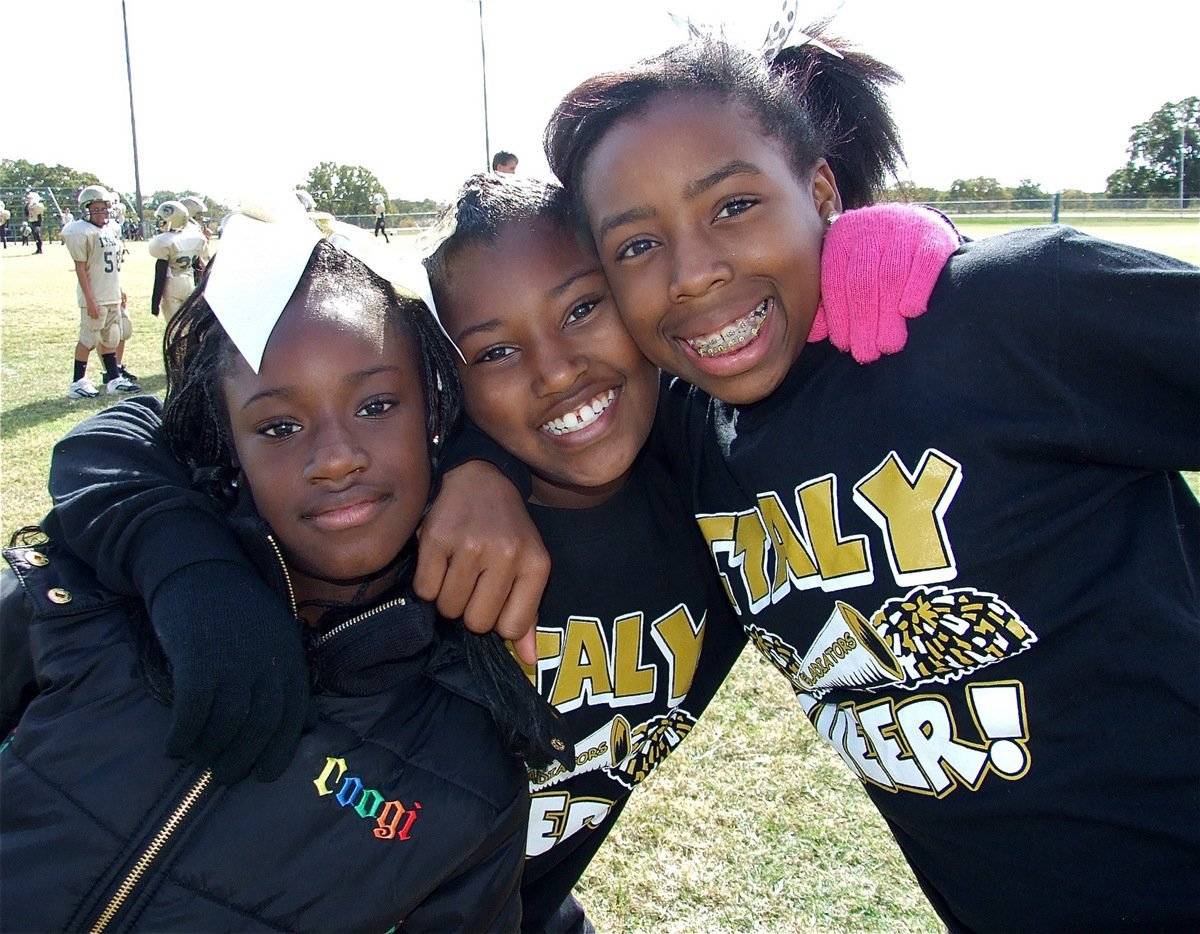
column 831, row 217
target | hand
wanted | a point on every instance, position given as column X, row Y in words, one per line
column 481, row 557
column 879, row 265
column 93, row 310
column 242, row 686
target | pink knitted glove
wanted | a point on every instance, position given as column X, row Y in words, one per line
column 878, row 267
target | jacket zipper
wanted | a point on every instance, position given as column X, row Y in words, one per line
column 287, row 577
column 160, row 840
column 347, row 623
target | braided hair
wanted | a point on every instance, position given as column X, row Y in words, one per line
column 199, row 353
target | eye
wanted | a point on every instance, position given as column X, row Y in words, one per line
column 493, row 354
column 582, row 310
column 279, row 429
column 635, row 248
column 736, row 206
column 376, row 408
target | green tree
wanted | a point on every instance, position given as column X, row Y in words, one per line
column 1155, row 147
column 342, row 189
column 1029, row 196
column 980, row 189
column 18, row 176
column 912, row 194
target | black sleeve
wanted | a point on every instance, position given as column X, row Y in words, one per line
column 124, row 505
column 1127, row 346
column 18, row 683
column 160, row 283
column 470, row 443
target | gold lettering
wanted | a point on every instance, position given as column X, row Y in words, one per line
column 630, row 677
column 837, row 557
column 680, row 639
column 910, row 512
column 584, row 663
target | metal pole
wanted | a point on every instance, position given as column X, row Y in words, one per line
column 137, row 178
column 1182, row 129
column 487, row 140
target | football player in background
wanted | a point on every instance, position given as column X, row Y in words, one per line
column 178, row 249
column 97, row 256
column 197, row 215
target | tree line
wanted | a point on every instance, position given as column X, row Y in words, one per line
column 1159, row 149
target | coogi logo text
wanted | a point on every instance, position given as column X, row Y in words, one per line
column 393, row 820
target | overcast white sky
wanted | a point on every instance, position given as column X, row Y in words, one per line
column 229, row 96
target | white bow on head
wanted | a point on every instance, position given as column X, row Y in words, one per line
column 263, row 251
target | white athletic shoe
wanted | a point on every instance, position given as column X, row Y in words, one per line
column 82, row 389
column 121, row 384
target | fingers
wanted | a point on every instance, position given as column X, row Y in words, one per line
column 518, row 616
column 433, row 561
column 189, row 714
column 526, row 647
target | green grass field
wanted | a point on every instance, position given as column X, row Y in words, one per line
column 753, row 825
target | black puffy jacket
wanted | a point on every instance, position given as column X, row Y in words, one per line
column 401, row 806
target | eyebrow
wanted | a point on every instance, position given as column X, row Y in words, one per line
column 358, row 376
column 572, row 279
column 691, row 191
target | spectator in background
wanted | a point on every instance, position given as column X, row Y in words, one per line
column 34, row 209
column 4, row 216
column 505, row 163
column 380, row 207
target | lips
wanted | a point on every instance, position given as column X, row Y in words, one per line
column 732, row 336
column 581, row 416
column 339, row 514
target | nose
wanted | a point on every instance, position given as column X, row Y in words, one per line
column 558, row 364
column 334, row 454
column 699, row 263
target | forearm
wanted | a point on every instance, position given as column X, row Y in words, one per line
column 124, row 505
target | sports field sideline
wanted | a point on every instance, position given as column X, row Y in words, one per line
column 731, row 833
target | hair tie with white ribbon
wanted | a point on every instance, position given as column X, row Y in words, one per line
column 263, row 252
column 781, row 35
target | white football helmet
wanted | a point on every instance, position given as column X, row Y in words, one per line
column 306, row 200
column 196, row 207
column 93, row 193
column 32, row 197
column 117, row 212
column 377, row 200
column 170, row 215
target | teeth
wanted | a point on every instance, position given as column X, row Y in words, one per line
column 582, row 416
column 732, row 336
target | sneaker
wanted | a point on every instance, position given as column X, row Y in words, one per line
column 124, row 372
column 121, row 384
column 82, row 389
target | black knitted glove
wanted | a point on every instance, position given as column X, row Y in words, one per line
column 242, row 687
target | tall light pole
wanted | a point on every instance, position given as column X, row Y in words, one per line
column 137, row 179
column 1183, row 122
column 487, row 141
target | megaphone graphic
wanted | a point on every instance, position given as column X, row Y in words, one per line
column 847, row 653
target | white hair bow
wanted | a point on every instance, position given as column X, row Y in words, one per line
column 263, row 251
